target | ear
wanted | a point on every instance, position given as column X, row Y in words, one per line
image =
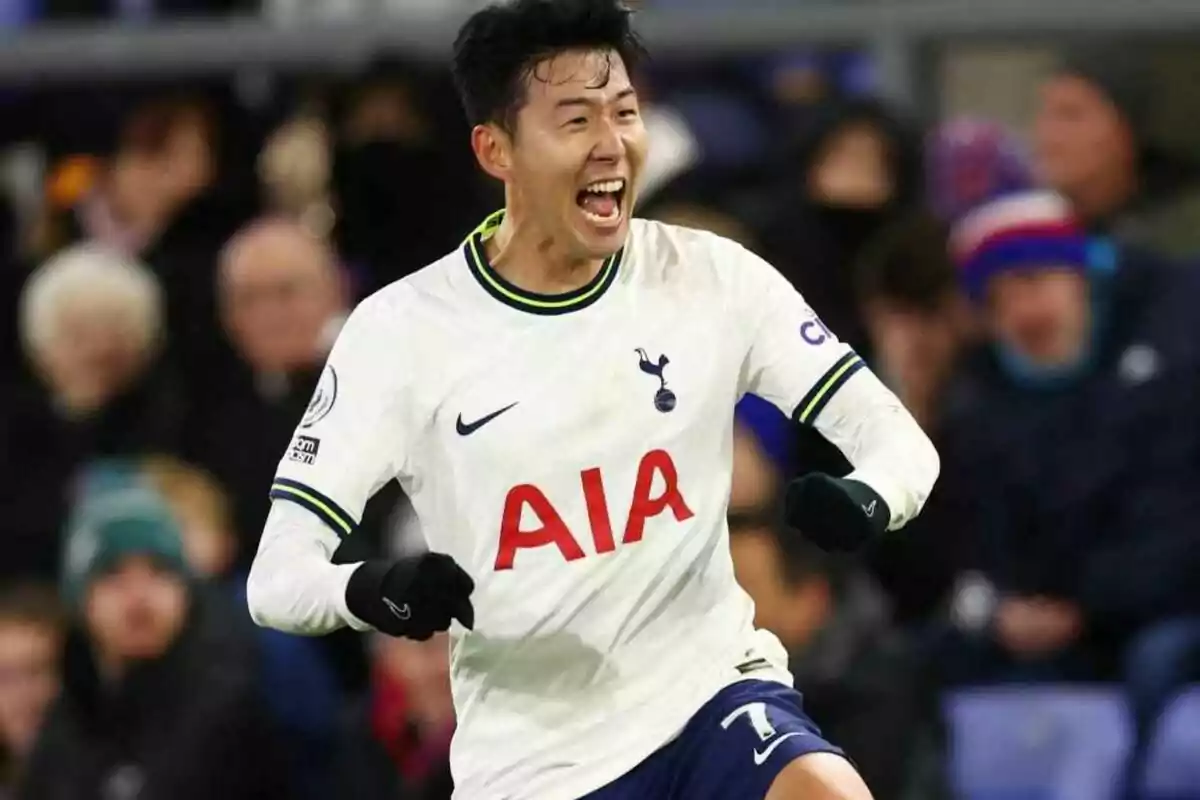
column 493, row 149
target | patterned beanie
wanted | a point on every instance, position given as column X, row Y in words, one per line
column 1025, row 231
column 112, row 524
column 971, row 161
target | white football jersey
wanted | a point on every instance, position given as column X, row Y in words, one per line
column 573, row 454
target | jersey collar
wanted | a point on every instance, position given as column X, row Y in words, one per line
column 512, row 295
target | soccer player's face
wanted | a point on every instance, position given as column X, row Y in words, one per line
column 579, row 145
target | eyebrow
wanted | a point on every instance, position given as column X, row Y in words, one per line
column 569, row 102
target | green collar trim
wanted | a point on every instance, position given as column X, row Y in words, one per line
column 512, row 295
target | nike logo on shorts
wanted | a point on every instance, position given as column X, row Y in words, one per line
column 761, row 758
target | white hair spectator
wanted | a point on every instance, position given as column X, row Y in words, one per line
column 87, row 278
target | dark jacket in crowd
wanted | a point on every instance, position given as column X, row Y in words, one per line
column 863, row 685
column 240, row 431
column 186, row 727
column 1090, row 489
column 42, row 450
column 185, row 258
column 386, row 760
column 366, row 173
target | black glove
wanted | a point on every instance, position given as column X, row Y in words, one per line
column 414, row 597
column 836, row 514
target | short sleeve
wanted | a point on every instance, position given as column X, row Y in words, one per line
column 793, row 360
column 353, row 435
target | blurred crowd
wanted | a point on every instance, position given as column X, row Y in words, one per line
column 179, row 264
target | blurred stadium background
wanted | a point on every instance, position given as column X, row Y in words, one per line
column 193, row 193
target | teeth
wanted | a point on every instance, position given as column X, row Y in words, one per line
column 605, row 187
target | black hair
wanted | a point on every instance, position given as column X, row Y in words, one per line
column 498, row 49
column 32, row 603
column 908, row 264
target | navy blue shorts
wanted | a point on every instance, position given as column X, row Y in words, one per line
column 732, row 749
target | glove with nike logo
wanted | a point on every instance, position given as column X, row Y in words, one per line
column 413, row 597
column 836, row 514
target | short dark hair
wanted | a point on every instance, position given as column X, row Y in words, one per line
column 498, row 48
column 149, row 126
column 32, row 603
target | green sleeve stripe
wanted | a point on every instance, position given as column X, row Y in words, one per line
column 824, row 389
column 328, row 511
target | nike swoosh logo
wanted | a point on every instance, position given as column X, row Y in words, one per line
column 870, row 509
column 403, row 613
column 466, row 429
column 760, row 758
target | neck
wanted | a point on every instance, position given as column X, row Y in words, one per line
column 529, row 257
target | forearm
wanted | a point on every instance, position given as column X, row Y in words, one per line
column 884, row 444
column 293, row 586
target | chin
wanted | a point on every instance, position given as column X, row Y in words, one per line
column 601, row 241
column 605, row 246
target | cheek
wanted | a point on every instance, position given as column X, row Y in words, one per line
column 103, row 611
column 637, row 144
column 542, row 156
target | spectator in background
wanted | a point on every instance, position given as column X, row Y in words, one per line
column 397, row 745
column 295, row 169
column 31, row 633
column 1076, row 445
column 168, row 195
column 282, row 302
column 201, row 508
column 154, row 703
column 919, row 323
column 857, row 169
column 970, row 161
column 300, row 688
column 913, row 310
column 1094, row 145
column 405, row 191
column 91, row 326
column 856, row 173
column 860, row 678
column 283, row 299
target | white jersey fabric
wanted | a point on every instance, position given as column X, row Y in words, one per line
column 573, row 454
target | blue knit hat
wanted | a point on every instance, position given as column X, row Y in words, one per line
column 114, row 523
column 1023, row 231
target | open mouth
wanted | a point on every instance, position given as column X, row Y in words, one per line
column 601, row 201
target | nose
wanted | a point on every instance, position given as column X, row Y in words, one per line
column 610, row 146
